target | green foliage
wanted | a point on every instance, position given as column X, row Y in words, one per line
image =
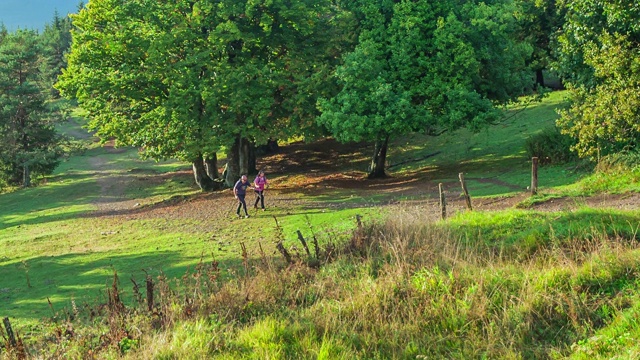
column 623, row 161
column 541, row 21
column 56, row 41
column 551, row 147
column 599, row 57
column 424, row 66
column 614, row 173
column 29, row 143
column 183, row 79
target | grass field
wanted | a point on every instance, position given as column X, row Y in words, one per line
column 56, row 245
column 106, row 211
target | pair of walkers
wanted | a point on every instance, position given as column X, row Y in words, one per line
column 240, row 192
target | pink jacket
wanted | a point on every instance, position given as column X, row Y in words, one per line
column 260, row 183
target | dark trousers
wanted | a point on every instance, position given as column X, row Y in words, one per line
column 242, row 205
column 259, row 198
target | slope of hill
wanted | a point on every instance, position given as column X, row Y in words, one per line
column 495, row 282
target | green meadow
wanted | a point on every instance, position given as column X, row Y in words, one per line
column 509, row 283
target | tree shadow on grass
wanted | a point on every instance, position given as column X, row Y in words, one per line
column 38, row 205
column 28, row 286
column 64, row 201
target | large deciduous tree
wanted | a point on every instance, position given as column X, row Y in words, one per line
column 28, row 142
column 187, row 78
column 541, row 23
column 422, row 65
column 136, row 67
column 273, row 60
column 599, row 58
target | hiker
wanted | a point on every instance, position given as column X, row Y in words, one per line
column 240, row 191
column 260, row 183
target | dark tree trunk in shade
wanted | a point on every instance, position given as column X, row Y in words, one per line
column 241, row 160
column 26, row 181
column 243, row 156
column 379, row 159
column 539, row 77
column 200, row 174
column 211, row 165
column 247, row 157
column 252, row 170
column 232, row 170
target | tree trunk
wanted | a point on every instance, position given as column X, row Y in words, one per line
column 243, row 156
column 269, row 148
column 211, row 166
column 252, row 159
column 272, row 145
column 241, row 160
column 200, row 174
column 233, row 168
column 26, row 180
column 224, row 172
column 379, row 159
column 539, row 77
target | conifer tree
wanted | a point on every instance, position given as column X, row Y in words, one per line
column 29, row 142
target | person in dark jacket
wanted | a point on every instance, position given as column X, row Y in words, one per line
column 240, row 191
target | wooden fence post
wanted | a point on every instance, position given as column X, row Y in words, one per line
column 316, row 247
column 284, row 252
column 149, row 284
column 443, row 202
column 465, row 191
column 10, row 334
column 304, row 243
column 534, row 175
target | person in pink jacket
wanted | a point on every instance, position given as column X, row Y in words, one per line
column 260, row 183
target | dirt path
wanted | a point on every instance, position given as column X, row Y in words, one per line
column 300, row 173
column 112, row 185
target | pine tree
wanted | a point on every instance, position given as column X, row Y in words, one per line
column 28, row 142
column 56, row 41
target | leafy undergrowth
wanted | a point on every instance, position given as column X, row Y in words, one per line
column 400, row 288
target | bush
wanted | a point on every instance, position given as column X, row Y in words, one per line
column 614, row 173
column 551, row 147
column 627, row 161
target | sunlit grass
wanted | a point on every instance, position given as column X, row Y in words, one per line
column 507, row 284
column 494, row 159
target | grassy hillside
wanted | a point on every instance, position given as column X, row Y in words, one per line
column 498, row 282
column 494, row 159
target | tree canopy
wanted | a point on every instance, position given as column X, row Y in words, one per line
column 187, row 79
column 29, row 141
column 184, row 79
column 420, row 66
column 541, row 22
column 55, row 40
column 599, row 56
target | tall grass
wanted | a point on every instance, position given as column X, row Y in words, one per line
column 406, row 287
column 615, row 174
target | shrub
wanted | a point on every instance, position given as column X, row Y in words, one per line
column 626, row 161
column 614, row 173
column 551, row 147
